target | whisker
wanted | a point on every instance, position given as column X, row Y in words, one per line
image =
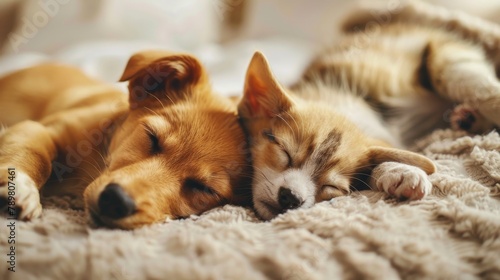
column 293, row 131
column 157, row 99
column 89, row 174
column 169, row 98
column 359, row 180
column 93, row 165
column 293, row 119
column 268, row 190
column 97, row 162
column 152, row 111
column 263, row 175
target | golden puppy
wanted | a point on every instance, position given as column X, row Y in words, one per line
column 174, row 149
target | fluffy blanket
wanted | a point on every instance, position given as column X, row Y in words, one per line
column 452, row 234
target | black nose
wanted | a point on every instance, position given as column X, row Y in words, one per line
column 287, row 199
column 115, row 203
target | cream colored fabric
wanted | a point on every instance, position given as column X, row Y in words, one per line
column 51, row 26
column 452, row 234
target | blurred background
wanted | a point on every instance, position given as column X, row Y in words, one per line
column 100, row 35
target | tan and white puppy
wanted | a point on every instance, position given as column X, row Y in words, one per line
column 339, row 128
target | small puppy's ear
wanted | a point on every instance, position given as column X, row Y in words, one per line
column 263, row 95
column 379, row 155
column 162, row 74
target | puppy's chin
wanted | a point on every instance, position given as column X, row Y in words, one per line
column 266, row 211
column 266, row 207
column 135, row 221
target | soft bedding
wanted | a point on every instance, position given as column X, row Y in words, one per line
column 452, row 234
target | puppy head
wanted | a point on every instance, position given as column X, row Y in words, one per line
column 179, row 151
column 304, row 152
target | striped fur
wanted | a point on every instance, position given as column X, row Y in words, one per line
column 357, row 105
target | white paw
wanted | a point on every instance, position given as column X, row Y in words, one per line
column 25, row 193
column 401, row 180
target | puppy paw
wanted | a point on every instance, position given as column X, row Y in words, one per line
column 401, row 180
column 19, row 197
column 464, row 117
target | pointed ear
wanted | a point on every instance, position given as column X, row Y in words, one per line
column 263, row 95
column 379, row 155
column 162, row 74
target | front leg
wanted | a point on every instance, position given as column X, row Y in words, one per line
column 401, row 180
column 26, row 153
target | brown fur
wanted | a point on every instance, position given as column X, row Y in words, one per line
column 71, row 133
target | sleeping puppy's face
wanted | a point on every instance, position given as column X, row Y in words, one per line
column 179, row 151
column 304, row 152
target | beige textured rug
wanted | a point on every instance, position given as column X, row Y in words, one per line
column 452, row 234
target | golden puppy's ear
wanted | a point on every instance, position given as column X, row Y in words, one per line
column 162, row 74
column 263, row 95
column 379, row 155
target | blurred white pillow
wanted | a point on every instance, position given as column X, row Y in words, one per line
column 318, row 21
column 51, row 25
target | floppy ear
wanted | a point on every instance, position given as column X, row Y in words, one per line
column 263, row 95
column 379, row 155
column 162, row 74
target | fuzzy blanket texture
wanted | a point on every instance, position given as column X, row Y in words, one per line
column 452, row 234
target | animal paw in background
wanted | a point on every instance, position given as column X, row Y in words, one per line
column 464, row 117
column 401, row 180
column 19, row 196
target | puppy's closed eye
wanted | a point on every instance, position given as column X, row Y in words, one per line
column 268, row 134
column 197, row 186
column 154, row 141
column 155, row 147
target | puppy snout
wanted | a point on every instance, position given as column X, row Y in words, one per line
column 115, row 203
column 287, row 199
